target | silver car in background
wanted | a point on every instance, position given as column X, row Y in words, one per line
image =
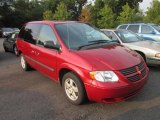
column 149, row 50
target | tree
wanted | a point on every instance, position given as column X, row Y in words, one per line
column 153, row 13
column 116, row 5
column 126, row 15
column 94, row 10
column 48, row 15
column 106, row 17
column 62, row 12
column 85, row 15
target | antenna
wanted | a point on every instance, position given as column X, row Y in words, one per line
column 68, row 40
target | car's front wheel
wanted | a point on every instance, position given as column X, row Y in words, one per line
column 74, row 88
column 15, row 50
column 25, row 66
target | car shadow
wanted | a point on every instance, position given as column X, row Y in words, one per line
column 140, row 114
column 26, row 105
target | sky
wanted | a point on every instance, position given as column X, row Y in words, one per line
column 145, row 4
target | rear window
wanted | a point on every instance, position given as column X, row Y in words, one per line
column 123, row 27
column 146, row 29
column 29, row 33
column 133, row 28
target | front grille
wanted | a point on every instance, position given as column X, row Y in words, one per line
column 128, row 71
column 143, row 72
column 141, row 66
column 134, row 73
column 134, row 78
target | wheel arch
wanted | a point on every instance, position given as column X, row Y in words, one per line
column 142, row 54
column 69, row 68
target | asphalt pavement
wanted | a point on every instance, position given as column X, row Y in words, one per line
column 33, row 96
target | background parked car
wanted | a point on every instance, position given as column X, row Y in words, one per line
column 16, row 29
column 146, row 30
column 9, row 43
column 149, row 50
column 6, row 31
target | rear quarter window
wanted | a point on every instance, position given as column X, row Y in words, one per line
column 122, row 27
column 30, row 32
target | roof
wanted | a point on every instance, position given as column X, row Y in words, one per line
column 113, row 30
column 54, row 22
column 137, row 24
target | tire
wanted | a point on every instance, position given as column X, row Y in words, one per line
column 5, row 49
column 74, row 88
column 25, row 66
column 143, row 56
column 15, row 50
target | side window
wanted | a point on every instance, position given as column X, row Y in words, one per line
column 29, row 33
column 111, row 35
column 123, row 27
column 13, row 36
column 134, row 28
column 46, row 34
column 146, row 29
column 114, row 37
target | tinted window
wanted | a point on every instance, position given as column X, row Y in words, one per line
column 133, row 28
column 123, row 27
column 146, row 29
column 157, row 27
column 46, row 34
column 13, row 36
column 29, row 33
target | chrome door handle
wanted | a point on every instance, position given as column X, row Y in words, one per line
column 36, row 53
column 32, row 51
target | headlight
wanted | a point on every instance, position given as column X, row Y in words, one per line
column 157, row 55
column 104, row 76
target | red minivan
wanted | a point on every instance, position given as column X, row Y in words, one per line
column 83, row 60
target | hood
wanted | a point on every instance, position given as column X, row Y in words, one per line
column 110, row 57
column 145, row 44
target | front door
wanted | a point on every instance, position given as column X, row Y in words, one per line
column 46, row 58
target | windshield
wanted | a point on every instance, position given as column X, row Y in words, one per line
column 128, row 36
column 157, row 27
column 77, row 35
column 7, row 29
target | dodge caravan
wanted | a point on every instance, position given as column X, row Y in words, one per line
column 86, row 63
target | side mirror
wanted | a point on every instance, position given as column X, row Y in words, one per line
column 51, row 45
column 110, row 36
column 153, row 32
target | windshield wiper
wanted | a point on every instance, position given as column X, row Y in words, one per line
column 93, row 43
column 80, row 47
column 99, row 41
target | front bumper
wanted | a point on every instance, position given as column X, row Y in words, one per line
column 114, row 92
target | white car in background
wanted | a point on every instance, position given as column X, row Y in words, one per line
column 149, row 50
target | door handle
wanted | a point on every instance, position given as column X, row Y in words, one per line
column 36, row 53
column 32, row 51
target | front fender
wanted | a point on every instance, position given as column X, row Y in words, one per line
column 82, row 73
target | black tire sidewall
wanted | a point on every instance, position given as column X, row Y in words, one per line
column 81, row 90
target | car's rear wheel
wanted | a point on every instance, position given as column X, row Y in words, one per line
column 25, row 66
column 74, row 88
